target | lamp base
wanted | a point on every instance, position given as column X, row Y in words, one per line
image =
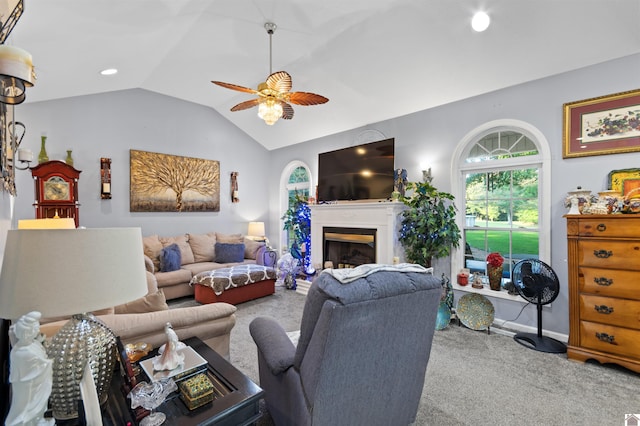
column 84, row 339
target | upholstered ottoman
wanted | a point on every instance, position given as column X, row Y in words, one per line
column 234, row 285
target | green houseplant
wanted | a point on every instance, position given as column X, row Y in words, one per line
column 428, row 227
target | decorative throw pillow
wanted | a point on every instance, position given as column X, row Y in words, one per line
column 186, row 255
column 152, row 302
column 202, row 247
column 152, row 248
column 229, row 253
column 170, row 258
column 229, row 238
column 251, row 248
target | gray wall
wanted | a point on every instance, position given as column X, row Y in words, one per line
column 110, row 124
column 431, row 136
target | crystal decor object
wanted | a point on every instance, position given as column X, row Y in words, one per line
column 149, row 396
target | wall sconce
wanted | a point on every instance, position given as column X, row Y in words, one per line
column 16, row 131
column 11, row 134
column 426, row 175
column 16, row 73
column 105, row 178
column 234, row 187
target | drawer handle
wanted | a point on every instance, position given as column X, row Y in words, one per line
column 607, row 338
column 603, row 281
column 601, row 227
column 603, row 309
column 602, row 254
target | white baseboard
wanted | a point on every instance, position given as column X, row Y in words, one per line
column 511, row 329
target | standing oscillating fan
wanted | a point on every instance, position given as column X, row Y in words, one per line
column 537, row 283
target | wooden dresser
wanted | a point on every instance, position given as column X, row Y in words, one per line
column 604, row 288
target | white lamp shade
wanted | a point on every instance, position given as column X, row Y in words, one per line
column 61, row 272
column 256, row 229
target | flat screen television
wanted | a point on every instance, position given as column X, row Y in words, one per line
column 363, row 172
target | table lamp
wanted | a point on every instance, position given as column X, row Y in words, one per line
column 62, row 272
column 256, row 231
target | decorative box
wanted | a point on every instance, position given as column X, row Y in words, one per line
column 196, row 391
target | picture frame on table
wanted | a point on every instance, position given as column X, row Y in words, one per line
column 603, row 125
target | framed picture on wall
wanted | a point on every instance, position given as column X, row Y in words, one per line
column 603, row 125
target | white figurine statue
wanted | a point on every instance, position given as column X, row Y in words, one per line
column 170, row 357
column 30, row 374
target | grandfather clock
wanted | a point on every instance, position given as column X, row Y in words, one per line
column 56, row 187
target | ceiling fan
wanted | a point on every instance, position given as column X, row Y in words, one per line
column 274, row 96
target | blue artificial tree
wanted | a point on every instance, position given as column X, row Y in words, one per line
column 298, row 219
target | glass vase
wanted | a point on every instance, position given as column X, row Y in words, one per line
column 495, row 277
column 42, row 156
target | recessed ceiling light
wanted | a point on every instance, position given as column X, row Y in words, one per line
column 109, row 71
column 480, row 21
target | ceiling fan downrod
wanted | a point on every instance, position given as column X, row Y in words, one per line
column 271, row 28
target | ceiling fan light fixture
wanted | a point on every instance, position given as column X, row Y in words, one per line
column 274, row 96
column 270, row 111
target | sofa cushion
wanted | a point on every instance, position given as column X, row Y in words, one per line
column 152, row 248
column 182, row 242
column 203, row 246
column 196, row 268
column 251, row 248
column 165, row 279
column 170, row 258
column 229, row 238
column 150, row 303
column 229, row 253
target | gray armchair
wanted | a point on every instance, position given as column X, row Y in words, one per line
column 362, row 354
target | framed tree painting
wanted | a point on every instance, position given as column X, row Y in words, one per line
column 172, row 183
column 604, row 125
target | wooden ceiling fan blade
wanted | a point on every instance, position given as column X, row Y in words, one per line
column 287, row 111
column 246, row 105
column 280, row 81
column 235, row 87
column 305, row 98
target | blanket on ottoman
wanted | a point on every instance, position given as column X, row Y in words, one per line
column 227, row 278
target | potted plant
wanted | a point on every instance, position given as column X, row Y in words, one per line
column 428, row 227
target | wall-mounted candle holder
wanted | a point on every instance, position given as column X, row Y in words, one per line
column 105, row 178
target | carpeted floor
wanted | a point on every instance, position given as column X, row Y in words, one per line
column 478, row 379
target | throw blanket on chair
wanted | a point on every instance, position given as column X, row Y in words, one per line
column 348, row 275
column 226, row 278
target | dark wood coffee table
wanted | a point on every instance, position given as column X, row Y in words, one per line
column 239, row 404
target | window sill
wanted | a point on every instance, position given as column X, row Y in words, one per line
column 502, row 294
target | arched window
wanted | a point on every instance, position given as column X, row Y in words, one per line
column 502, row 193
column 295, row 179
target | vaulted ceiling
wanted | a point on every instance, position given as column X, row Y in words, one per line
column 374, row 59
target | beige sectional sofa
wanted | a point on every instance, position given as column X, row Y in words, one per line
column 198, row 254
column 144, row 319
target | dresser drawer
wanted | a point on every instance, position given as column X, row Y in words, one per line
column 608, row 310
column 608, row 338
column 609, row 254
column 609, row 282
column 608, row 228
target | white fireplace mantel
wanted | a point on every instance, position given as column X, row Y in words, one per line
column 383, row 216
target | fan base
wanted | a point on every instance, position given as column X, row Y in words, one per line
column 540, row 343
